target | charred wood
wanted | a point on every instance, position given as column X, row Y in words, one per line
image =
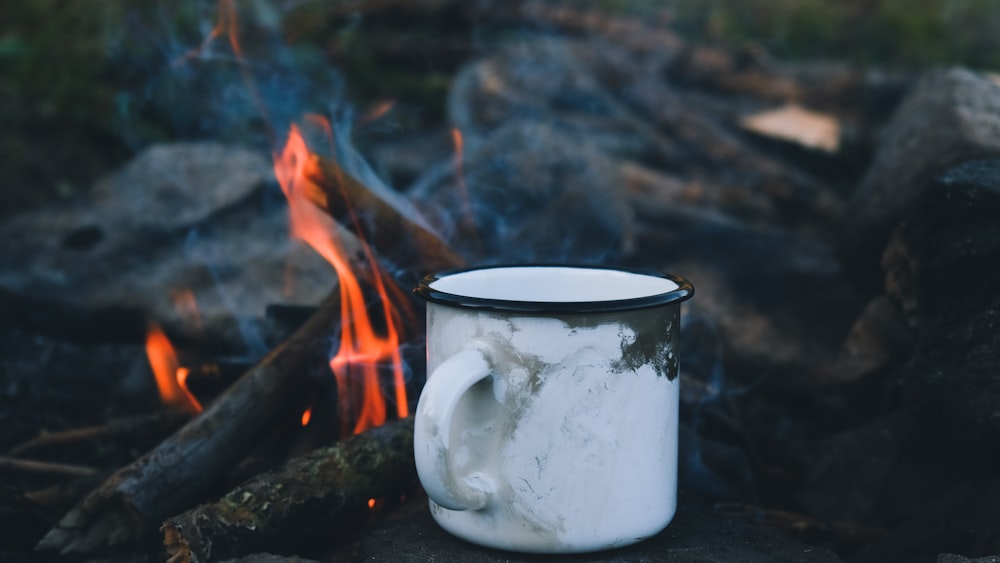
column 396, row 237
column 186, row 466
column 52, row 502
column 302, row 501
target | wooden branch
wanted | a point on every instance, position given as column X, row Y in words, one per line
column 45, row 468
column 185, row 467
column 52, row 503
column 391, row 233
column 116, row 430
column 304, row 500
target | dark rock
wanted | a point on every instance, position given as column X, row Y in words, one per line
column 901, row 473
column 780, row 301
column 927, row 473
column 949, row 117
column 179, row 218
column 878, row 338
column 958, row 511
column 842, row 488
column 942, row 259
column 941, row 268
column 697, row 534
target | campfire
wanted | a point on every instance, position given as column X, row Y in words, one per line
column 215, row 352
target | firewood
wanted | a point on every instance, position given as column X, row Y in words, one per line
column 118, row 430
column 388, row 230
column 184, row 467
column 304, row 500
column 45, row 468
column 52, row 502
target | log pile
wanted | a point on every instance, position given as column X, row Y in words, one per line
column 327, row 491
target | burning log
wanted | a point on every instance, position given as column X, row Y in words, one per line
column 287, row 507
column 352, row 203
column 185, row 466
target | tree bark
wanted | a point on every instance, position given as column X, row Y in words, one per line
column 304, row 501
column 187, row 465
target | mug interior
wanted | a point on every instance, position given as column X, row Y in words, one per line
column 552, row 284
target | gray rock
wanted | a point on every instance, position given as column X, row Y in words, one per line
column 950, row 116
column 177, row 219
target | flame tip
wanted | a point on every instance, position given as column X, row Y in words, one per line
column 362, row 348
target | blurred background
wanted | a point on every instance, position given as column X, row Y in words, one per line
column 76, row 77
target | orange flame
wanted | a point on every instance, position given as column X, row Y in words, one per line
column 463, row 189
column 371, row 503
column 457, row 141
column 225, row 24
column 307, row 416
column 171, row 378
column 377, row 112
column 363, row 350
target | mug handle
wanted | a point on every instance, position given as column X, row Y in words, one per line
column 432, row 432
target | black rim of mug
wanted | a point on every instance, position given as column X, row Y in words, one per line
column 682, row 292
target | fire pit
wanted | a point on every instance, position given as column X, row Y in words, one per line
column 214, row 354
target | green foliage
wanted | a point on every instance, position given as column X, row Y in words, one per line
column 912, row 33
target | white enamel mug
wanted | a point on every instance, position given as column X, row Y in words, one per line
column 548, row 423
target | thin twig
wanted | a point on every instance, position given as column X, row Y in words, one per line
column 46, row 468
column 116, row 429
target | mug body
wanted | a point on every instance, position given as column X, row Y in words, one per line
column 575, row 428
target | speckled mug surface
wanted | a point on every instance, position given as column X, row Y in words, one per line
column 548, row 423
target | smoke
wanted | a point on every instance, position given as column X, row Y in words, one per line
column 186, row 81
column 710, row 464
